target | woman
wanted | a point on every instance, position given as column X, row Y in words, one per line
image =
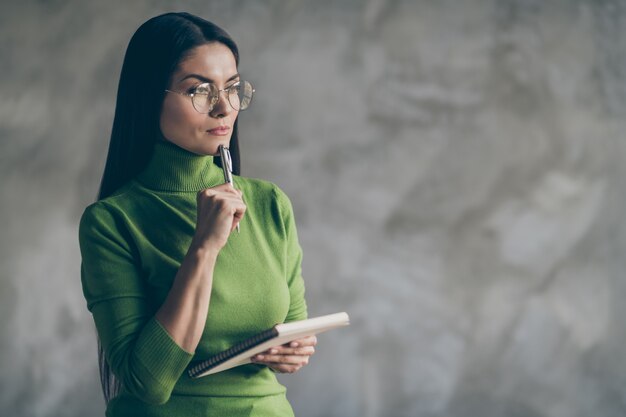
column 165, row 278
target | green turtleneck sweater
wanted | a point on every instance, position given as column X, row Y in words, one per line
column 132, row 244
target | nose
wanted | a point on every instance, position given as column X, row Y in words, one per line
column 222, row 108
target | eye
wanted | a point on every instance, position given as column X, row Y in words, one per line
column 192, row 89
column 203, row 88
column 233, row 86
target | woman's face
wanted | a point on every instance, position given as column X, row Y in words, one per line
column 180, row 123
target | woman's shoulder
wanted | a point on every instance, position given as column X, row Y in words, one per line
column 107, row 209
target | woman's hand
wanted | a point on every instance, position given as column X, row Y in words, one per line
column 220, row 209
column 290, row 357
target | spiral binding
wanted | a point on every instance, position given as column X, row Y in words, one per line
column 231, row 352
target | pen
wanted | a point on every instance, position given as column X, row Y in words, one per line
column 227, row 167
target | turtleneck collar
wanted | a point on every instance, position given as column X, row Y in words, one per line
column 173, row 168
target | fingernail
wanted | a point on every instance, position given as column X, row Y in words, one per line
column 259, row 357
column 294, row 344
column 273, row 351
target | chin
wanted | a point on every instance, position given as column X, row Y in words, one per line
column 214, row 145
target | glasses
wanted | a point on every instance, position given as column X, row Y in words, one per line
column 205, row 96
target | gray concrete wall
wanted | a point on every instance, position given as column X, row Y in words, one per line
column 456, row 170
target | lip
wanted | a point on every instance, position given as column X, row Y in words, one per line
column 219, row 131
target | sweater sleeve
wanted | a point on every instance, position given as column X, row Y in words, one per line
column 293, row 261
column 140, row 352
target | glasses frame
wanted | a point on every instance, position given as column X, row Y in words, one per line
column 215, row 98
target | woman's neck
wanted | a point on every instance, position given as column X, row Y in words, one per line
column 172, row 168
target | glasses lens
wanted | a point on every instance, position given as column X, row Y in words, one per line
column 204, row 97
column 240, row 95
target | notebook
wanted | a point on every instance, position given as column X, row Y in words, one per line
column 242, row 352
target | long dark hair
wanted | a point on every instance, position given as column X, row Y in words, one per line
column 153, row 54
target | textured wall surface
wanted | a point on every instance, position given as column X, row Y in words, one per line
column 457, row 171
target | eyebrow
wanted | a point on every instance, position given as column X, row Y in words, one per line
column 204, row 79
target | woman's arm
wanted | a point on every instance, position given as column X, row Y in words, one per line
column 148, row 352
column 184, row 311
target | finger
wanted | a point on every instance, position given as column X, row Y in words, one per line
column 232, row 190
column 228, row 187
column 215, row 196
column 222, row 189
column 286, row 369
column 238, row 216
column 281, row 350
column 305, row 341
column 218, row 189
column 283, row 359
column 233, row 202
column 205, row 194
column 226, row 206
